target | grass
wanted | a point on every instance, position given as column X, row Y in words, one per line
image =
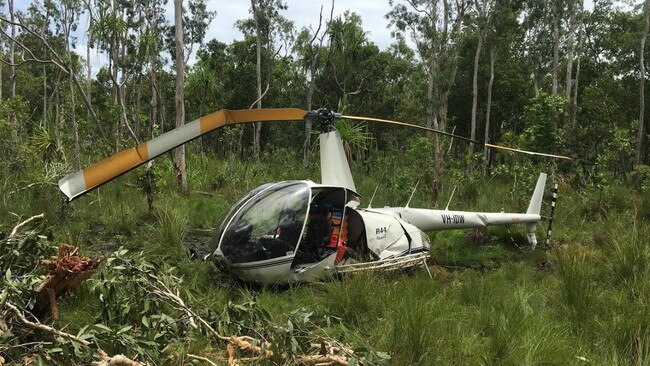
column 489, row 303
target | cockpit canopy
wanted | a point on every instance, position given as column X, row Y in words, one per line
column 265, row 224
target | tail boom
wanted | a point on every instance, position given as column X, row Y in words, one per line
column 431, row 220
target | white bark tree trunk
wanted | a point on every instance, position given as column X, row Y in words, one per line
column 477, row 57
column 639, row 159
column 556, row 48
column 488, row 109
column 179, row 161
column 568, row 123
column 258, row 70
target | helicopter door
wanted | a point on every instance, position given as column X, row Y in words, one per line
column 326, row 229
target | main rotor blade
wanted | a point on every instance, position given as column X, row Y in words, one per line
column 526, row 151
column 455, row 136
column 76, row 184
column 413, row 126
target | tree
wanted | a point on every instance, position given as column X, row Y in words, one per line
column 266, row 24
column 310, row 52
column 179, row 160
column 639, row 159
column 483, row 10
column 437, row 45
column 574, row 7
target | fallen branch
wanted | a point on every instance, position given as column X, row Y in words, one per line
column 321, row 359
column 105, row 359
column 15, row 230
column 201, row 358
column 29, row 186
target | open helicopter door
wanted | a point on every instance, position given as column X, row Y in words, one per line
column 326, row 237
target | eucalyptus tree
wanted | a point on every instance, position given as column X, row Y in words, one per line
column 435, row 26
column 502, row 36
column 11, row 76
column 179, row 159
column 273, row 30
column 309, row 46
column 69, row 13
column 483, row 10
column 639, row 159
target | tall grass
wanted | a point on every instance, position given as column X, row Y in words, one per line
column 590, row 304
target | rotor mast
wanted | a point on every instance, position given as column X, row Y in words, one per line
column 334, row 167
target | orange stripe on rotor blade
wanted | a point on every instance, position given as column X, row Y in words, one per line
column 212, row 121
column 269, row 114
column 226, row 117
column 117, row 164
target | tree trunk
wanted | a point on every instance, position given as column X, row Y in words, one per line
column 568, row 123
column 639, row 158
column 308, row 121
column 43, row 29
column 1, row 48
column 153, row 115
column 179, row 161
column 556, row 48
column 75, row 131
column 11, row 77
column 68, row 15
column 477, row 57
column 310, row 94
column 488, row 108
column 577, row 56
column 432, row 112
column 258, row 70
column 57, row 118
column 88, row 65
column 574, row 101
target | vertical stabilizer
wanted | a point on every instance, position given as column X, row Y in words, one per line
column 334, row 167
column 535, row 205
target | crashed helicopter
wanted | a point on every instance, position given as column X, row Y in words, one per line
column 301, row 231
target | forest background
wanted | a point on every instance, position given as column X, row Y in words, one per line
column 550, row 76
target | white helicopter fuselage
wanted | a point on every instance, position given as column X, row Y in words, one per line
column 301, row 231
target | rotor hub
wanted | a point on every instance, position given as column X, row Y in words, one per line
column 324, row 118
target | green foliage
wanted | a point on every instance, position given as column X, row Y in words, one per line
column 543, row 115
column 617, row 157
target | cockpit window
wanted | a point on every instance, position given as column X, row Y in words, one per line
column 268, row 225
column 234, row 208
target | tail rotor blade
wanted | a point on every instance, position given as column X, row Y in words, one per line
column 78, row 183
column 358, row 118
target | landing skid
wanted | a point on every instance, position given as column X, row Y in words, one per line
column 390, row 264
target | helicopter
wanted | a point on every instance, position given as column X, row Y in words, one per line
column 302, row 231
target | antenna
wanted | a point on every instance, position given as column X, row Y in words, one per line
column 412, row 193
column 450, row 197
column 373, row 197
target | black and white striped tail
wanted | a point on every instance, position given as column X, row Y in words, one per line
column 550, row 219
